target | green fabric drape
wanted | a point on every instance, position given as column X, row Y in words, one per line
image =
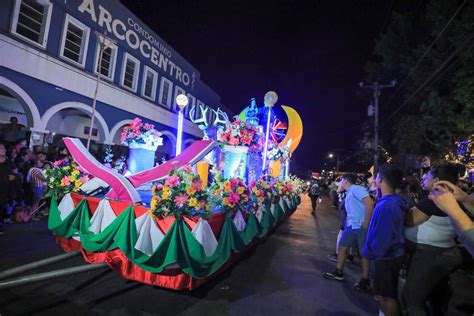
column 178, row 245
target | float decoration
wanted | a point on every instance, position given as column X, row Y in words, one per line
column 63, row 178
column 142, row 140
column 190, row 232
column 182, row 194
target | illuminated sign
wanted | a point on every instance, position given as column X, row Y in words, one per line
column 138, row 38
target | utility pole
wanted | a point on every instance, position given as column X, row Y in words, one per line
column 377, row 88
column 104, row 42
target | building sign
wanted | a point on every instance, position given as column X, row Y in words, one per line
column 138, row 37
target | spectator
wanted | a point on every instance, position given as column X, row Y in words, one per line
column 37, row 183
column 445, row 195
column 314, row 194
column 54, row 154
column 7, row 177
column 434, row 255
column 385, row 241
column 342, row 217
column 411, row 190
column 359, row 208
column 11, row 131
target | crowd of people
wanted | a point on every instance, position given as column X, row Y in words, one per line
column 411, row 234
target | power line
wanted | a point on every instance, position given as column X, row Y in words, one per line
column 429, row 79
column 426, row 52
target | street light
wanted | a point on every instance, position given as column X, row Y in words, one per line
column 271, row 97
column 182, row 101
column 104, row 43
column 331, row 156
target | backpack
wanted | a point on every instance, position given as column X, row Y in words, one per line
column 315, row 189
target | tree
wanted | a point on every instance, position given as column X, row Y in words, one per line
column 434, row 106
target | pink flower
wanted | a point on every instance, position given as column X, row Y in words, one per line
column 234, row 198
column 197, row 184
column 58, row 163
column 233, row 141
column 148, row 126
column 172, row 181
column 188, row 168
column 253, row 184
column 65, row 181
column 181, row 199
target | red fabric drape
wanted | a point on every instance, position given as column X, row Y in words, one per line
column 173, row 279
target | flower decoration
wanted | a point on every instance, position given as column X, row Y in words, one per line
column 261, row 192
column 232, row 194
column 240, row 133
column 276, row 152
column 138, row 132
column 295, row 185
column 182, row 194
column 64, row 177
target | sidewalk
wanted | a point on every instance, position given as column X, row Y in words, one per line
column 281, row 276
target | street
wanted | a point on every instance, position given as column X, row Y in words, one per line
column 282, row 275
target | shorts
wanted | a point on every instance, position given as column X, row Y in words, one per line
column 351, row 237
column 385, row 281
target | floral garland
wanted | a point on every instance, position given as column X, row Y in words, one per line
column 276, row 152
column 232, row 194
column 298, row 185
column 140, row 133
column 64, row 178
column 240, row 133
column 181, row 194
column 261, row 192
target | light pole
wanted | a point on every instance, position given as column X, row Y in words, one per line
column 331, row 156
column 104, row 42
column 182, row 101
column 377, row 88
column 271, row 97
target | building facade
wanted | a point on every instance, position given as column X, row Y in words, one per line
column 51, row 52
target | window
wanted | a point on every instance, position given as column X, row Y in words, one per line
column 75, row 40
column 178, row 90
column 165, row 92
column 109, row 58
column 192, row 102
column 130, row 70
column 31, row 21
column 150, row 77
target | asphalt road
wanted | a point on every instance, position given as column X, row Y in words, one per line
column 281, row 276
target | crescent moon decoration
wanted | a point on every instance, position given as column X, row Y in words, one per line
column 295, row 128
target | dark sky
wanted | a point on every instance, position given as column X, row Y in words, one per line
column 312, row 53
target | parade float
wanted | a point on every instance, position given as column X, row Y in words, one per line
column 206, row 207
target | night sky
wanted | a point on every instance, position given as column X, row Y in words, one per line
column 312, row 53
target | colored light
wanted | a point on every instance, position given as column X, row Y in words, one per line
column 179, row 135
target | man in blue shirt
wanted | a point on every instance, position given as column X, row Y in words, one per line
column 359, row 208
column 385, row 244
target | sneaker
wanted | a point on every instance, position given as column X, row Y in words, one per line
column 335, row 275
column 333, row 257
column 363, row 286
